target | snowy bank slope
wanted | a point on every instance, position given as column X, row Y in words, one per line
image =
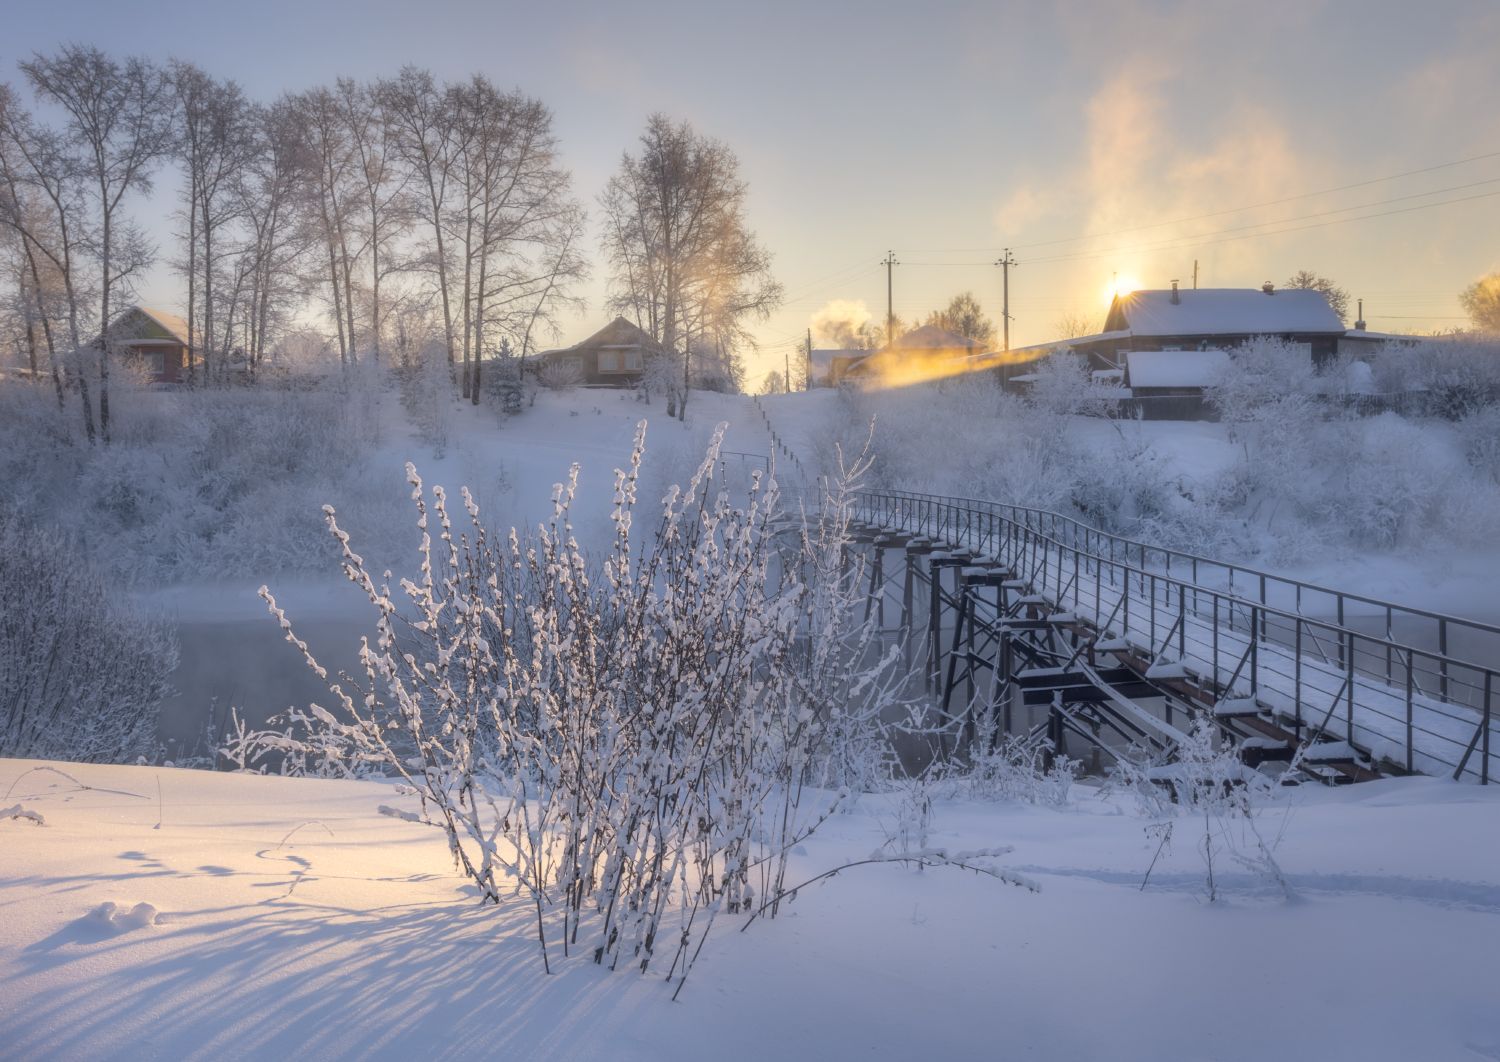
column 289, row 919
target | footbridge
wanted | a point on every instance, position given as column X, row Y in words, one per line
column 1019, row 620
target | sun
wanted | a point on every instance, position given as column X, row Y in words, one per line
column 1120, row 284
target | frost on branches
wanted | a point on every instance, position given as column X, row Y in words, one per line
column 630, row 745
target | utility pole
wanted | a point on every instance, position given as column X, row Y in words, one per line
column 807, row 373
column 1195, row 274
column 1005, row 263
column 890, row 317
column 786, row 381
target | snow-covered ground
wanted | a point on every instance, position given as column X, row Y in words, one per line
column 287, row 918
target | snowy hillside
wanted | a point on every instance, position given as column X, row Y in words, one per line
column 289, row 918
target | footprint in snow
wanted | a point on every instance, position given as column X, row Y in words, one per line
column 110, row 919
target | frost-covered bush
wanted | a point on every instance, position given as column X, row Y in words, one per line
column 628, row 744
column 196, row 484
column 1459, row 377
column 1063, row 383
column 82, row 676
column 1479, row 434
column 1018, row 767
column 560, row 374
column 426, row 385
column 1204, row 785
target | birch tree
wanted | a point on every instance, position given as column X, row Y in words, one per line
column 427, row 139
column 119, row 116
column 516, row 218
column 683, row 258
column 216, row 141
column 43, row 201
column 267, row 191
column 330, row 201
column 380, row 186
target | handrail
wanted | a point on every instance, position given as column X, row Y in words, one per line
column 953, row 519
column 1259, row 576
column 1267, row 609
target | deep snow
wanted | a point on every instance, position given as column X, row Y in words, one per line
column 287, row 918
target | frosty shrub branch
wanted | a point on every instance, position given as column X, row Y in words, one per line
column 630, row 746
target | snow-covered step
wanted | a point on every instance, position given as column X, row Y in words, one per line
column 1326, row 751
column 1166, row 669
column 1230, row 707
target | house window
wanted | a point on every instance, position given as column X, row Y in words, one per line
column 609, row 361
column 155, row 362
column 633, row 359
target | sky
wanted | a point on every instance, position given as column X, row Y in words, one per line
column 1107, row 144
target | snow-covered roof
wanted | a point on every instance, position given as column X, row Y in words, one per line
column 170, row 321
column 1176, row 368
column 1223, row 311
column 142, row 324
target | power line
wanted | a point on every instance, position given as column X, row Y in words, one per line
column 1215, row 213
column 1199, row 241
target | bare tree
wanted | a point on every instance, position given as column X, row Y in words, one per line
column 119, row 118
column 330, row 200
column 380, row 185
column 1481, row 301
column 216, row 141
column 427, row 139
column 1337, row 297
column 1072, row 324
column 267, row 190
column 964, row 317
column 683, row 258
column 43, row 201
column 517, row 221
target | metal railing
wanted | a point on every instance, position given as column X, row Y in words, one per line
column 1419, row 708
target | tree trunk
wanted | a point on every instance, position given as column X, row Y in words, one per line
column 104, row 328
column 208, row 288
column 192, row 278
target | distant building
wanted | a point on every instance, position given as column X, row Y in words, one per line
column 1215, row 319
column 614, row 356
column 829, row 366
column 156, row 341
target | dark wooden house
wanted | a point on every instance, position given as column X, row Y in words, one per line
column 153, row 341
column 614, row 356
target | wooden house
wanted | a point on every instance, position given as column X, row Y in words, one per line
column 153, row 340
column 1214, row 319
column 828, row 366
column 614, row 356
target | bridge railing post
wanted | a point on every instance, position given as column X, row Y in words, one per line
column 1254, row 653
column 1484, row 744
column 1443, row 663
column 1349, row 687
column 1411, row 685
